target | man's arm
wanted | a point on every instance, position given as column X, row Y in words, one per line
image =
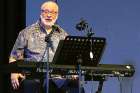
column 17, row 54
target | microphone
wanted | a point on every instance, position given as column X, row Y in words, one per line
column 82, row 25
column 54, row 28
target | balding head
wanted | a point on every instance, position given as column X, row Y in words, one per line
column 49, row 13
column 49, row 4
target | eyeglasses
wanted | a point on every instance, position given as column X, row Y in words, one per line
column 49, row 12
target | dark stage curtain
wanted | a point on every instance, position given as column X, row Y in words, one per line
column 12, row 20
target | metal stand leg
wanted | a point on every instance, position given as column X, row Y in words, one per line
column 79, row 61
column 47, row 78
column 101, row 80
column 80, row 77
column 100, row 87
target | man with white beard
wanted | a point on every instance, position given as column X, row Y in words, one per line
column 31, row 45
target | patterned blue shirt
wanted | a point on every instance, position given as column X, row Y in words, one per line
column 32, row 46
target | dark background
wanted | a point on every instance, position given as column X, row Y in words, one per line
column 12, row 20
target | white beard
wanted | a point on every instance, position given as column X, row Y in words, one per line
column 47, row 23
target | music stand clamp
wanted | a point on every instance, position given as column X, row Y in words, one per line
column 76, row 50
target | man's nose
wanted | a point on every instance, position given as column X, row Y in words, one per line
column 49, row 16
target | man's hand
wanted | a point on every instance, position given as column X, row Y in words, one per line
column 74, row 77
column 15, row 81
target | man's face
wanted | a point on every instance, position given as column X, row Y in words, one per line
column 49, row 13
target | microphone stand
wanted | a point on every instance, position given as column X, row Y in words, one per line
column 49, row 44
column 83, row 25
column 47, row 40
column 47, row 70
column 47, row 67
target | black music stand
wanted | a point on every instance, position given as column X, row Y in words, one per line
column 79, row 51
column 77, row 48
